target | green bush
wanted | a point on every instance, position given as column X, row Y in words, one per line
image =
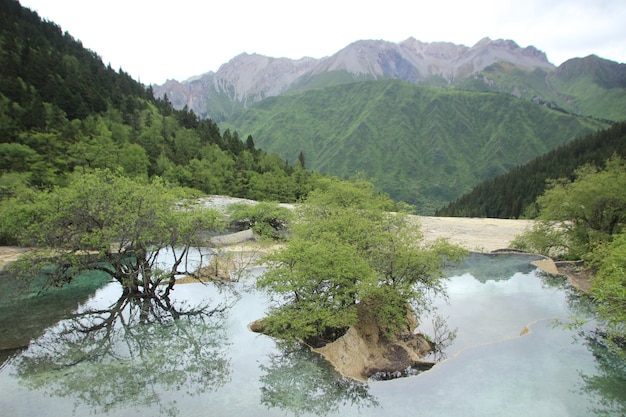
column 268, row 220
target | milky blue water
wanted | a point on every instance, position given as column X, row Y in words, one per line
column 114, row 358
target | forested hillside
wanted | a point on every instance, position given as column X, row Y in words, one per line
column 589, row 86
column 62, row 110
column 511, row 194
column 423, row 145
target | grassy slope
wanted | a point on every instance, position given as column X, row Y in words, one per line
column 589, row 86
column 420, row 144
column 593, row 99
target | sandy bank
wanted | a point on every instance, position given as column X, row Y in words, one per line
column 475, row 234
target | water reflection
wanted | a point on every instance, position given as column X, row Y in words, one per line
column 195, row 357
column 494, row 267
column 580, row 304
column 130, row 353
column 607, row 385
column 301, row 382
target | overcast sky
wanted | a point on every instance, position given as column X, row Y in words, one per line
column 157, row 40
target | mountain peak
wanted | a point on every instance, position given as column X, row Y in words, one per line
column 608, row 74
column 498, row 43
column 483, row 42
column 506, row 50
column 248, row 78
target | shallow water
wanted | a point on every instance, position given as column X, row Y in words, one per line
column 138, row 360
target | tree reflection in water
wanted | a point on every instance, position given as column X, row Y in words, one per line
column 130, row 354
column 608, row 385
column 302, row 382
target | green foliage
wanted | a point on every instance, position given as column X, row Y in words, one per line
column 544, row 238
column 17, row 157
column 12, row 184
column 592, row 86
column 345, row 250
column 585, row 219
column 319, row 280
column 62, row 110
column 575, row 216
column 422, row 145
column 105, row 222
column 589, row 86
column 513, row 194
column 268, row 220
column 609, row 286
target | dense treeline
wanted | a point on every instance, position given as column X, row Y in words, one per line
column 513, row 194
column 63, row 110
column 41, row 64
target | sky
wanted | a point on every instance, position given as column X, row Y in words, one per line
column 158, row 40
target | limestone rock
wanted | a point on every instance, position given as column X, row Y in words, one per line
column 363, row 351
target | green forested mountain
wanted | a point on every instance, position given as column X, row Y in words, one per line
column 508, row 195
column 62, row 110
column 589, row 86
column 422, row 145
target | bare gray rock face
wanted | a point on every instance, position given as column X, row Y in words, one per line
column 249, row 78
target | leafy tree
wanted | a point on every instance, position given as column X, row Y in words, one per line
column 268, row 220
column 346, row 250
column 543, row 238
column 609, row 286
column 250, row 144
column 274, row 185
column 185, row 146
column 584, row 219
column 134, row 161
column 94, row 152
column 162, row 164
column 12, row 184
column 102, row 221
column 580, row 213
column 17, row 157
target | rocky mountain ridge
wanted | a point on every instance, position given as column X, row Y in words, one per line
column 415, row 61
column 249, row 78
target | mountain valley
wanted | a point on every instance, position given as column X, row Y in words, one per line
column 425, row 122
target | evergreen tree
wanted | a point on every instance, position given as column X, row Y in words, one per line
column 301, row 160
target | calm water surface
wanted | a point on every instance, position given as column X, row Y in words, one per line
column 107, row 357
